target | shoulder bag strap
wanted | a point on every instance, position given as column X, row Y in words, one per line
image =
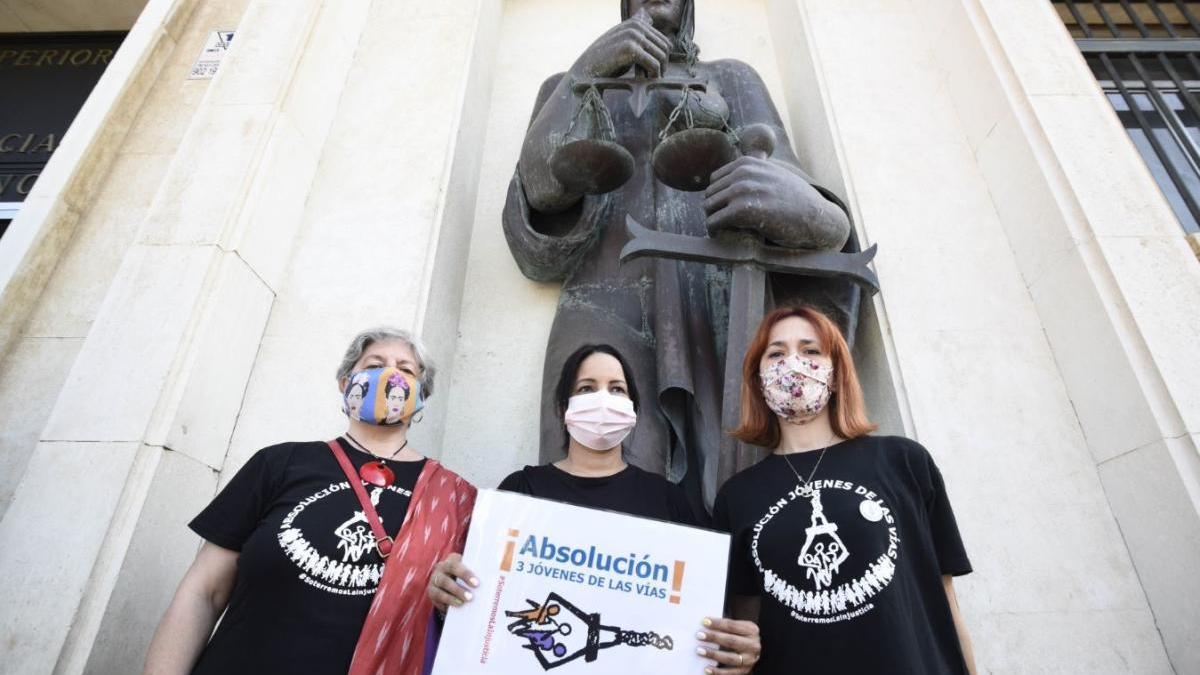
column 383, row 543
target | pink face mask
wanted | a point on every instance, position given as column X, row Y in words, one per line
column 796, row 388
column 599, row 420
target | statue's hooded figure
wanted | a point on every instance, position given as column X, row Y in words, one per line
column 669, row 318
column 684, row 48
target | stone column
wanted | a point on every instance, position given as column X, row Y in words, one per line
column 95, row 531
column 384, row 235
column 1110, row 273
column 961, row 226
column 60, row 254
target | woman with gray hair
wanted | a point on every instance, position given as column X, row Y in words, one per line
column 317, row 552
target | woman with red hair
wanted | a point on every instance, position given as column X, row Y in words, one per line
column 844, row 544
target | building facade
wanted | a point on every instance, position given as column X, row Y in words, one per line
column 177, row 288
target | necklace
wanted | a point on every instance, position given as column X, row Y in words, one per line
column 377, row 472
column 823, row 551
column 804, row 484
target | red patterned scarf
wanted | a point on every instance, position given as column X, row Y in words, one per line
column 394, row 636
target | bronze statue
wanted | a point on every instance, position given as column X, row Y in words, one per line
column 640, row 128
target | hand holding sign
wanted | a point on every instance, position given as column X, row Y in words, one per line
column 739, row 640
column 446, row 584
column 576, row 585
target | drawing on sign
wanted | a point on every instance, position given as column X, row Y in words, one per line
column 210, row 57
column 558, row 632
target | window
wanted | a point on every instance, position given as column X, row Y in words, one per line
column 1146, row 57
column 44, row 80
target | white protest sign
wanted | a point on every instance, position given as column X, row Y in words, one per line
column 581, row 590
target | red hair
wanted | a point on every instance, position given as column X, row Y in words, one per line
column 847, row 410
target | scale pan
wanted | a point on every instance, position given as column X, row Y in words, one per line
column 685, row 160
column 591, row 166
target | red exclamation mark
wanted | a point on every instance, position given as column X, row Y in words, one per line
column 506, row 563
column 677, row 582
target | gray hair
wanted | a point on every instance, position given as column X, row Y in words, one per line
column 368, row 337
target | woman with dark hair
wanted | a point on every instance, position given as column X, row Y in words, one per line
column 598, row 402
column 844, row 544
column 597, row 399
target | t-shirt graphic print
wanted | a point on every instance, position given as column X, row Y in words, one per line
column 828, row 580
column 338, row 561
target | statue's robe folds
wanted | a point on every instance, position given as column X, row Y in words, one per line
column 669, row 318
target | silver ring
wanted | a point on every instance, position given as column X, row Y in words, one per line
column 741, row 660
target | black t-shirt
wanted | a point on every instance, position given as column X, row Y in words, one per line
column 632, row 490
column 850, row 581
column 308, row 567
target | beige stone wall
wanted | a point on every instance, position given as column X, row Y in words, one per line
column 126, row 172
column 314, row 188
column 19, row 16
column 383, row 235
column 68, row 243
column 1117, row 291
column 1001, row 371
column 64, row 248
column 198, row 253
column 161, row 282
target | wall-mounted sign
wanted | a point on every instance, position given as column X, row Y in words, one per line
column 45, row 78
column 210, row 57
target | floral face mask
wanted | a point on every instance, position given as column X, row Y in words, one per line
column 796, row 387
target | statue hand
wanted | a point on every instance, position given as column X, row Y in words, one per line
column 634, row 41
column 770, row 198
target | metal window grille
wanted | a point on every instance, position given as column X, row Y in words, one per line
column 1146, row 57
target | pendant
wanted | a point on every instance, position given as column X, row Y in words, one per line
column 377, row 473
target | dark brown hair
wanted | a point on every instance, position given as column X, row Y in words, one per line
column 570, row 370
column 847, row 411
